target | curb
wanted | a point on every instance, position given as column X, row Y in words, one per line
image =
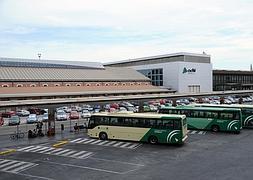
column 60, row 144
column 7, row 151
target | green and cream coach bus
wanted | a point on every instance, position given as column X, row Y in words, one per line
column 145, row 127
column 205, row 118
column 247, row 112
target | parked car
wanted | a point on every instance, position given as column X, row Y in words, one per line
column 32, row 118
column 1, row 121
column 45, row 117
column 8, row 114
column 64, row 108
column 85, row 114
column 76, row 108
column 87, row 107
column 23, row 113
column 36, row 111
column 14, row 120
column 74, row 115
column 61, row 115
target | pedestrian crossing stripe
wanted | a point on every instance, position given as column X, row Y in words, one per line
column 196, row 132
column 14, row 166
column 118, row 144
column 57, row 151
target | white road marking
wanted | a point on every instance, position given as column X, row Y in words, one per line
column 110, row 143
column 97, row 141
column 103, row 142
column 55, row 150
column 68, row 153
column 25, row 148
column 85, row 155
column 61, row 152
column 49, row 149
column 91, row 140
column 133, row 146
column 37, row 150
column 76, row 140
column 85, row 167
column 119, row 143
column 31, row 149
column 126, row 144
column 79, row 153
column 8, row 163
column 14, row 166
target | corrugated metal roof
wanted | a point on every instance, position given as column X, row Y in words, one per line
column 157, row 57
column 20, row 62
column 56, row 74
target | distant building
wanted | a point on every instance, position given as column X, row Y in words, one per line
column 183, row 72
column 224, row 80
column 45, row 76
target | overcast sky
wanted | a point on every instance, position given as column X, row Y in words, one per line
column 109, row 30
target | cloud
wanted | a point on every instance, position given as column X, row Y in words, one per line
column 105, row 30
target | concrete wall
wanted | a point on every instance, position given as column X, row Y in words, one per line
column 175, row 78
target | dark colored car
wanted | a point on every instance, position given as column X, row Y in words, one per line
column 36, row 111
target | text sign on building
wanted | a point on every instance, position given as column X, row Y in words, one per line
column 189, row 70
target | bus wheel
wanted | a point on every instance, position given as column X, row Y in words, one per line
column 103, row 136
column 215, row 128
column 153, row 140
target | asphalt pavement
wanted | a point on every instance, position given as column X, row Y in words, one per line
column 205, row 155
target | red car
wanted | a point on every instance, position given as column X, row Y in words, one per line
column 74, row 115
column 8, row 114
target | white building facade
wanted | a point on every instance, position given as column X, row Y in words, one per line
column 183, row 72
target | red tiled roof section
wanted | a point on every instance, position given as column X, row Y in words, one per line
column 14, row 90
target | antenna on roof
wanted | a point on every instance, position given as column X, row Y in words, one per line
column 39, row 55
column 204, row 52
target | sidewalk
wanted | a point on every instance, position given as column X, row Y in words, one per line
column 6, row 142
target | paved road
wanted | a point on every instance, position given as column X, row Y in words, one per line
column 204, row 156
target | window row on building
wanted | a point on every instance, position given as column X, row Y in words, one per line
column 233, row 78
column 66, row 84
column 155, row 75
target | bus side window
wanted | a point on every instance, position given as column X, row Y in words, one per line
column 91, row 122
column 135, row 122
column 215, row 115
column 168, row 124
column 159, row 124
column 177, row 124
column 226, row 115
column 127, row 122
column 120, row 121
column 104, row 120
column 141, row 122
column 152, row 122
column 236, row 116
column 114, row 121
column 195, row 114
column 146, row 123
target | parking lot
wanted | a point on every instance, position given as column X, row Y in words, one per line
column 205, row 155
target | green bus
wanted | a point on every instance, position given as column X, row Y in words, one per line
column 204, row 118
column 144, row 127
column 247, row 112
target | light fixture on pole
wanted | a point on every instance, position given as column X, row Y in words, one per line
column 39, row 55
